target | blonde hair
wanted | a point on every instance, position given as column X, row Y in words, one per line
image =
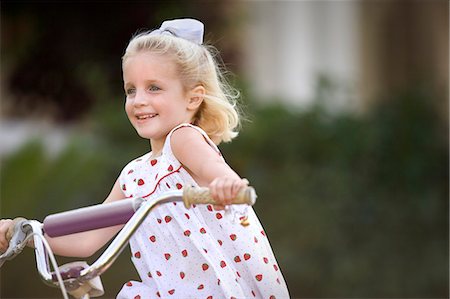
column 197, row 65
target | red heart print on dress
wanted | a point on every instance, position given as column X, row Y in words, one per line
column 137, row 254
column 130, row 171
column 223, row 264
column 179, row 186
column 159, row 220
column 158, row 273
column 237, row 259
column 153, row 162
column 182, row 275
column 266, row 260
column 141, row 182
column 275, row 267
column 218, row 216
column 220, row 242
column 187, row 216
column 209, row 207
column 158, row 294
column 259, row 277
column 187, row 233
column 200, row 287
column 167, row 256
column 170, row 168
column 137, row 297
column 233, row 237
column 153, row 239
column 247, row 256
column 129, row 284
column 205, row 266
column 171, row 292
column 184, row 253
column 202, row 230
column 272, row 297
column 167, row 219
column 124, row 187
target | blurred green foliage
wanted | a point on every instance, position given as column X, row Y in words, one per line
column 354, row 206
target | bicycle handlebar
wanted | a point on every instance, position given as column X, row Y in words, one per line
column 130, row 212
column 119, row 212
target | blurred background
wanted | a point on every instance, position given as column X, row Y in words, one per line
column 346, row 138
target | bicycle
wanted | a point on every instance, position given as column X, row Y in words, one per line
column 79, row 279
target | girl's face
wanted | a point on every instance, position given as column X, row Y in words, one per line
column 155, row 98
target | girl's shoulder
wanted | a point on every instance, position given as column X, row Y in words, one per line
column 167, row 149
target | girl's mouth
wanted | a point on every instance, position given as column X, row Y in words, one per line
column 146, row 116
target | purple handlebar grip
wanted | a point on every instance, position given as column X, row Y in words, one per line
column 89, row 218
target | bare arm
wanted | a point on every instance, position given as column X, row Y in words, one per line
column 205, row 165
column 87, row 243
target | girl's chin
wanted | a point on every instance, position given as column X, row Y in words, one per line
column 147, row 134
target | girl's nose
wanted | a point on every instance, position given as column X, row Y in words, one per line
column 140, row 99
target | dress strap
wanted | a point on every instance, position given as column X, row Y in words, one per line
column 167, row 148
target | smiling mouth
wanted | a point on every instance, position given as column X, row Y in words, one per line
column 146, row 116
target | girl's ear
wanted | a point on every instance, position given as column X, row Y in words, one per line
column 196, row 97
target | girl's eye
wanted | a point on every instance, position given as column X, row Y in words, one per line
column 154, row 88
column 130, row 91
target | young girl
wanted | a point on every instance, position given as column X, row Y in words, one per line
column 175, row 98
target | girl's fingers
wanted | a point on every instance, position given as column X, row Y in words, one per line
column 218, row 191
column 4, row 225
column 219, row 207
column 224, row 190
column 236, row 187
column 228, row 192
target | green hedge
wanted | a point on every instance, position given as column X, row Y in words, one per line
column 354, row 206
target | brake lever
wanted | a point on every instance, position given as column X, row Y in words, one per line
column 16, row 244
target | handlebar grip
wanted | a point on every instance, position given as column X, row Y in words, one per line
column 92, row 217
column 202, row 195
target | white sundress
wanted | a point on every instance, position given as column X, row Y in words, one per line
column 195, row 253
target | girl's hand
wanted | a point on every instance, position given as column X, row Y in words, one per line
column 225, row 189
column 4, row 226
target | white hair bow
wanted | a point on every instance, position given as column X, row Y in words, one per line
column 189, row 29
